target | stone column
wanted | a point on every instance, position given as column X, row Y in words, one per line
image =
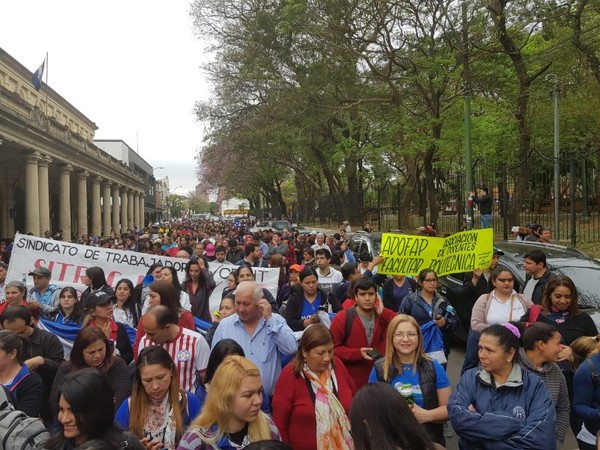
column 96, row 225
column 65, row 201
column 116, row 219
column 106, row 222
column 82, row 206
column 32, row 199
column 124, row 209
column 142, row 213
column 43, row 194
column 130, row 209
column 136, row 210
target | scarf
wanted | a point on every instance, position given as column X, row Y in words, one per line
column 160, row 423
column 333, row 426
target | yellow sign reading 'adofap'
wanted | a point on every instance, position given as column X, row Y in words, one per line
column 462, row 252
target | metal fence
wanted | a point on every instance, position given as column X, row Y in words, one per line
column 395, row 205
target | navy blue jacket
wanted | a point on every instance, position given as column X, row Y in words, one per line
column 586, row 394
column 415, row 305
column 515, row 416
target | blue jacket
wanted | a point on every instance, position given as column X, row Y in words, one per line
column 586, row 394
column 415, row 305
column 518, row 415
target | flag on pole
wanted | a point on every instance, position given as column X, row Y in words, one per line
column 36, row 79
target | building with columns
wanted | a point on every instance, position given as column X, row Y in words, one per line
column 52, row 175
column 123, row 152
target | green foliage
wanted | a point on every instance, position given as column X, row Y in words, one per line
column 332, row 97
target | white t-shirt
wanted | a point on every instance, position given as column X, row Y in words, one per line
column 529, row 287
column 500, row 312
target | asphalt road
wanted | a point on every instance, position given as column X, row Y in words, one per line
column 454, row 365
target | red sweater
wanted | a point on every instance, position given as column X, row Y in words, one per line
column 294, row 410
column 186, row 320
column 348, row 349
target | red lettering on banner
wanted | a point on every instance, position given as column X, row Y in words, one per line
column 111, row 277
column 63, row 270
column 79, row 274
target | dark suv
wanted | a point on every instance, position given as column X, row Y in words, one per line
column 583, row 270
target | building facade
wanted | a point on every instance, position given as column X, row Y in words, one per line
column 52, row 176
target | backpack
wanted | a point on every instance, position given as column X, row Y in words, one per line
column 17, row 430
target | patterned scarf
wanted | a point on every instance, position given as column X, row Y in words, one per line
column 160, row 423
column 333, row 426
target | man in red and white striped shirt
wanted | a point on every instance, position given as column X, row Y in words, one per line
column 187, row 348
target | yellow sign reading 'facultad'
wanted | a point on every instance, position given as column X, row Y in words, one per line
column 461, row 252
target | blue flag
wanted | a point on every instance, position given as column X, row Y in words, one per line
column 36, row 79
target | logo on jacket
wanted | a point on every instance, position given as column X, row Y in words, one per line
column 519, row 413
column 183, row 355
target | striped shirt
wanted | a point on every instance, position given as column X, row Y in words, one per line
column 189, row 351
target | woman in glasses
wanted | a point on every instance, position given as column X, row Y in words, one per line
column 500, row 306
column 421, row 380
column 433, row 313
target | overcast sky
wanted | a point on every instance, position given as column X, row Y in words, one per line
column 130, row 66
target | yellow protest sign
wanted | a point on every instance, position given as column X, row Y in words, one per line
column 460, row 252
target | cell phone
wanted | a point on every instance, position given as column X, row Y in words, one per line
column 373, row 353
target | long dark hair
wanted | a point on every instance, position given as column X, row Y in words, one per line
column 217, row 355
column 91, row 400
column 96, row 275
column 155, row 354
column 129, row 304
column 175, row 278
column 380, row 418
column 553, row 283
column 168, row 295
column 77, row 315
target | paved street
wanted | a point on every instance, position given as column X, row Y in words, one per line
column 454, row 366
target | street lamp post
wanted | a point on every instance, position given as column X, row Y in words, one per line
column 552, row 78
column 467, row 98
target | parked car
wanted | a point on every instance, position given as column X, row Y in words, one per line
column 362, row 241
column 273, row 225
column 583, row 270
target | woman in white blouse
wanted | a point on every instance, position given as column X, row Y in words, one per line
column 501, row 305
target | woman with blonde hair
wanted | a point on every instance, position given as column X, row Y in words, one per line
column 416, row 376
column 231, row 416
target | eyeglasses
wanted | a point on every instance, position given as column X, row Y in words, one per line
column 410, row 335
column 505, row 280
column 430, row 280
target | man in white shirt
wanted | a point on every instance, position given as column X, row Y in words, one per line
column 329, row 277
column 320, row 243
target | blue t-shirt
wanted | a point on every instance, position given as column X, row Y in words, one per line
column 310, row 309
column 408, row 377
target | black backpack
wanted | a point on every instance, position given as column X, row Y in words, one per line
column 17, row 430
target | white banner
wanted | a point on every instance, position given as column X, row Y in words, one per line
column 68, row 262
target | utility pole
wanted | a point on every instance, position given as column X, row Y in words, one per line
column 552, row 78
column 467, row 96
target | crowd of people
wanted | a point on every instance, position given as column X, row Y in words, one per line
column 340, row 358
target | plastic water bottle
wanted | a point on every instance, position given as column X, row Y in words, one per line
column 406, row 391
column 450, row 311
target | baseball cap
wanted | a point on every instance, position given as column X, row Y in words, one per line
column 498, row 252
column 297, row 267
column 41, row 271
column 98, row 298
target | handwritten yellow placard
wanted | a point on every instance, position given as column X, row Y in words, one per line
column 460, row 252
